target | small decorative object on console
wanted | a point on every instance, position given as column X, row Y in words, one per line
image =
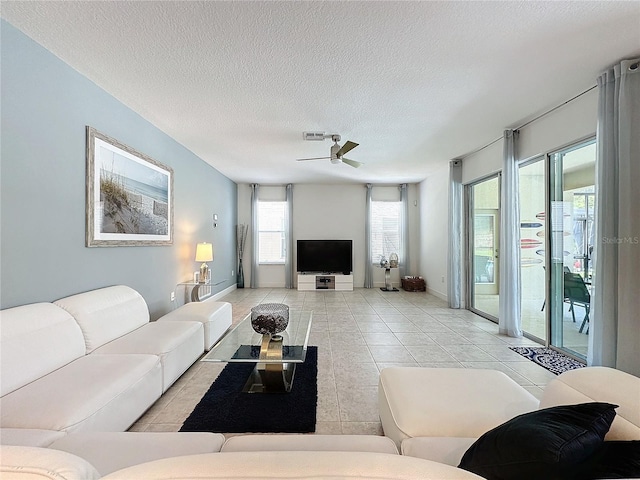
column 270, row 318
column 393, row 260
column 414, row 284
column 383, row 261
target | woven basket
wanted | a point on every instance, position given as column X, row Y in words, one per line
column 414, row 284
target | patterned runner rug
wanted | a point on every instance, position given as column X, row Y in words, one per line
column 553, row 361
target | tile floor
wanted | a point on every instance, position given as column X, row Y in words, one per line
column 534, row 321
column 358, row 334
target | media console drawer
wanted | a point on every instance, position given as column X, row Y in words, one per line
column 308, row 282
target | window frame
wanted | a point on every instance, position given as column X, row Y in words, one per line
column 375, row 257
column 283, row 240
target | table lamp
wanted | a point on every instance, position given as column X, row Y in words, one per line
column 204, row 254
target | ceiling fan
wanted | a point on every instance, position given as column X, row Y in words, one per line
column 337, row 151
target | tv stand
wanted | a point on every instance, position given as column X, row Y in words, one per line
column 325, row 281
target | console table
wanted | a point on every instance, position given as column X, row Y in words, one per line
column 388, row 286
column 199, row 291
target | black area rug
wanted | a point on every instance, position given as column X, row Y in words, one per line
column 226, row 409
column 553, row 361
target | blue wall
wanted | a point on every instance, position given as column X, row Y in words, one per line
column 46, row 106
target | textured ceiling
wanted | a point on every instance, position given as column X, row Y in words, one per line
column 414, row 83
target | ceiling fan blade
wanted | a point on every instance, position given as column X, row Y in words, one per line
column 353, row 163
column 314, row 158
column 349, row 145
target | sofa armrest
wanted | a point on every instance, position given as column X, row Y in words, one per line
column 33, row 463
column 600, row 384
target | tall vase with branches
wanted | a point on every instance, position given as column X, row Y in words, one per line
column 241, row 237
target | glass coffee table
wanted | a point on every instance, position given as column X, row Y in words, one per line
column 275, row 356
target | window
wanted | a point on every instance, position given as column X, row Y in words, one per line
column 385, row 229
column 271, row 232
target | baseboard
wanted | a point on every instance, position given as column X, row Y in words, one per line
column 436, row 293
column 273, row 285
column 382, row 285
column 224, row 292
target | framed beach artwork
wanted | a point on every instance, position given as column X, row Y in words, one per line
column 129, row 195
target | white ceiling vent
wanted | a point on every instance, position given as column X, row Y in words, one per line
column 313, row 135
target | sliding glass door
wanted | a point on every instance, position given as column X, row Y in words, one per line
column 572, row 230
column 483, row 205
column 532, row 182
column 557, row 207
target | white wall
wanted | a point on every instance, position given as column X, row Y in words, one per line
column 483, row 163
column 568, row 124
column 329, row 212
column 434, row 234
column 43, row 255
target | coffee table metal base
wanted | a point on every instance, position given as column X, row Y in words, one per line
column 271, row 378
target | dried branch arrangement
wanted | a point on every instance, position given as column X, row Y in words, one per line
column 241, row 237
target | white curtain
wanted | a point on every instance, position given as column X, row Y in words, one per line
column 255, row 249
column 455, row 235
column 614, row 333
column 509, row 317
column 404, row 259
column 288, row 238
column 368, row 261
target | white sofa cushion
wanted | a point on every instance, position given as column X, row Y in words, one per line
column 178, row 344
column 600, row 384
column 111, row 451
column 92, row 393
column 447, row 402
column 32, row 463
column 327, row 443
column 106, row 314
column 36, row 340
column 29, row 437
column 448, row 450
column 279, row 465
column 216, row 317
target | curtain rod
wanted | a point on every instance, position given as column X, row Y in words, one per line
column 544, row 114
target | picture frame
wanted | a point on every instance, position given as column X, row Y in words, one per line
column 129, row 195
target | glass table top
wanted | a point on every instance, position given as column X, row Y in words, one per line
column 243, row 344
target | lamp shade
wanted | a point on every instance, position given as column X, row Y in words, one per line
column 204, row 252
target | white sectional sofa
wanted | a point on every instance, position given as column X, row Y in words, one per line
column 115, row 320
column 78, row 372
column 438, row 413
column 318, row 459
column 89, row 362
column 216, row 317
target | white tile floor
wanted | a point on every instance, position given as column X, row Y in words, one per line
column 359, row 333
column 534, row 321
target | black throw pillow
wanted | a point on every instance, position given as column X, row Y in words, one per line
column 615, row 459
column 546, row 444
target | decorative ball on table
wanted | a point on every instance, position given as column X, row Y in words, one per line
column 270, row 318
column 393, row 260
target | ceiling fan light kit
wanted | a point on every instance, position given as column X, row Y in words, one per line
column 337, row 151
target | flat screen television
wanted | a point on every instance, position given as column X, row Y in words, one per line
column 325, row 256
